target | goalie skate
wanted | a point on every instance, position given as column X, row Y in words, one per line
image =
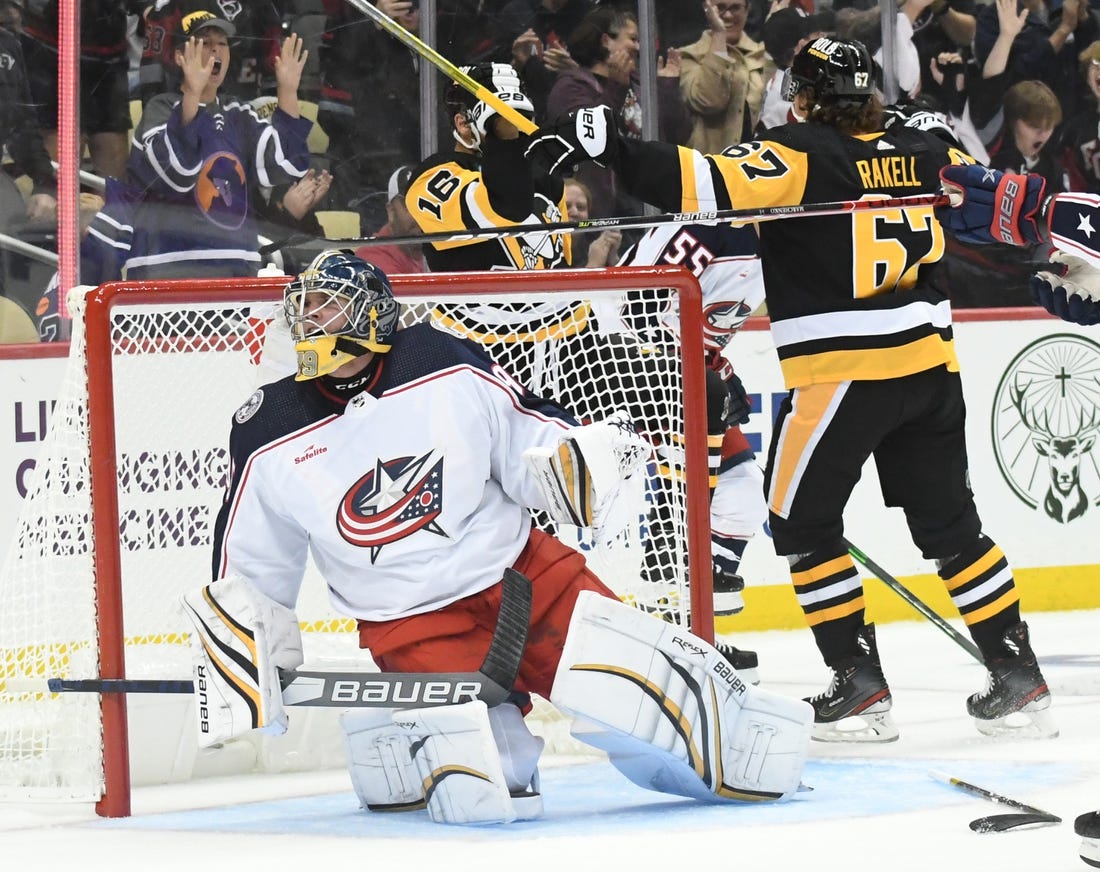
column 856, row 705
column 1016, row 699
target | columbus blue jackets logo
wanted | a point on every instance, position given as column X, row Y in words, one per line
column 396, row 499
column 221, row 191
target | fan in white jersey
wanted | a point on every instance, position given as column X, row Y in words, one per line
column 407, row 464
column 724, row 259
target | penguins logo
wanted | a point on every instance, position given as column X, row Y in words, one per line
column 221, row 191
column 1046, row 416
column 393, row 501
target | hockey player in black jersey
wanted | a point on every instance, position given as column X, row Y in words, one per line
column 485, row 181
column 863, row 334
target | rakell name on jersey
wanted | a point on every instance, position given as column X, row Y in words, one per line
column 897, row 171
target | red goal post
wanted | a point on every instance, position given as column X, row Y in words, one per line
column 158, row 353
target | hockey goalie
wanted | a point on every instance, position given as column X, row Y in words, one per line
column 408, row 464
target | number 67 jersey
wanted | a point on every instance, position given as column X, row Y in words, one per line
column 850, row 296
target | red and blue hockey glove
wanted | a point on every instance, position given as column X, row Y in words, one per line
column 992, row 206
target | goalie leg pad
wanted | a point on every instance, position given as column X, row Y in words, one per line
column 456, row 755
column 380, row 761
column 672, row 714
column 241, row 641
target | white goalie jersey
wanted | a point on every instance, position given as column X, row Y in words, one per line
column 411, row 495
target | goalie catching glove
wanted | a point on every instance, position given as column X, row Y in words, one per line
column 241, row 641
column 584, row 134
column 582, row 475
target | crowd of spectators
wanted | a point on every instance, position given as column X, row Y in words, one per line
column 1018, row 81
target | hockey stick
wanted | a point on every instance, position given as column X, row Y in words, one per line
column 358, row 689
column 999, row 823
column 592, row 225
column 523, row 124
column 915, row 601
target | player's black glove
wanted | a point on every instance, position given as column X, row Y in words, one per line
column 1073, row 296
column 736, row 405
column 993, row 206
column 740, row 404
column 584, row 134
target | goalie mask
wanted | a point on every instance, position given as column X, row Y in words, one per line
column 837, row 71
column 350, row 311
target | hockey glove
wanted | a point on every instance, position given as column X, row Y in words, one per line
column 585, row 134
column 507, row 86
column 991, row 206
column 736, row 405
column 1073, row 296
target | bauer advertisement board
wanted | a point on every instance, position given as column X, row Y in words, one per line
column 1032, row 387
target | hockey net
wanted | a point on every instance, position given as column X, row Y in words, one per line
column 118, row 523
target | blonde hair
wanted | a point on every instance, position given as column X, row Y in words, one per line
column 577, row 183
column 1089, row 56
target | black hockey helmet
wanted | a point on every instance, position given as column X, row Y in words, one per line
column 838, row 71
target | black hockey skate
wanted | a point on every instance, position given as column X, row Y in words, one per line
column 728, row 589
column 1087, row 826
column 745, row 662
column 856, row 705
column 1015, row 687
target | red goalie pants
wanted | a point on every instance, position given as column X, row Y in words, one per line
column 456, row 637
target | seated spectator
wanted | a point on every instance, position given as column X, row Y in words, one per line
column 395, row 258
column 534, row 33
column 605, row 47
column 370, row 99
column 589, row 249
column 253, row 48
column 286, row 212
column 1080, row 138
column 785, row 32
column 104, row 89
column 196, row 161
column 722, row 79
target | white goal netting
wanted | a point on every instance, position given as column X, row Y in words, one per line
column 176, row 362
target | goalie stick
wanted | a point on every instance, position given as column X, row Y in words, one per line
column 999, row 823
column 915, row 601
column 492, row 683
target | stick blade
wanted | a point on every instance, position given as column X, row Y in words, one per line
column 1002, row 823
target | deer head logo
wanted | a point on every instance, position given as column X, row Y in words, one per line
column 1065, row 499
column 1045, row 423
